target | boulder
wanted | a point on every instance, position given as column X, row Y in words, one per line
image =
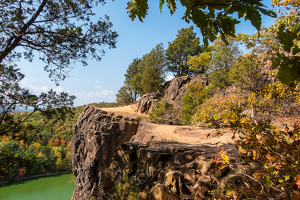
column 179, row 86
column 203, row 78
column 96, row 136
column 146, row 101
column 175, row 86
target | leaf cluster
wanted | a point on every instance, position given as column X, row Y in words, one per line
column 212, row 17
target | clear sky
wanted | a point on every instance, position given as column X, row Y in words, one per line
column 100, row 81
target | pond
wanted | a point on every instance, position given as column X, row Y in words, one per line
column 43, row 188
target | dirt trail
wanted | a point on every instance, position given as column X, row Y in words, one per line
column 209, row 140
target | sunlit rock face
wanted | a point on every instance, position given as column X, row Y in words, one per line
column 179, row 85
column 146, row 101
column 96, row 136
column 161, row 171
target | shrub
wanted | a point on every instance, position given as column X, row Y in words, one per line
column 161, row 112
column 191, row 99
column 221, row 108
column 271, row 155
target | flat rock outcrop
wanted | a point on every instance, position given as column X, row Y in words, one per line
column 146, row 101
column 96, row 136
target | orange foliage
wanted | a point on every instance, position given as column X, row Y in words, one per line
column 56, row 142
column 69, row 144
column 23, row 144
column 5, row 139
column 62, row 141
column 22, row 171
column 40, row 154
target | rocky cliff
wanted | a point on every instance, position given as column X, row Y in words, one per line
column 96, row 136
column 105, row 166
column 163, row 171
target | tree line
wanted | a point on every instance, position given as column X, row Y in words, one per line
column 147, row 74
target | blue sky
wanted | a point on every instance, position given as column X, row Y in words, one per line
column 100, row 81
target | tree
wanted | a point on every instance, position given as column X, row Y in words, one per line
column 246, row 73
column 212, row 17
column 125, row 95
column 132, row 87
column 47, row 27
column 154, row 64
column 221, row 62
column 186, row 44
column 281, row 41
column 133, row 78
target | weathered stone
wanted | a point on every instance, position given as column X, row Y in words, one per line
column 179, row 86
column 96, row 135
column 160, row 172
column 147, row 100
column 175, row 86
column 199, row 78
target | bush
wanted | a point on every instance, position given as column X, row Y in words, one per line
column 195, row 95
column 221, row 108
column 161, row 112
column 271, row 155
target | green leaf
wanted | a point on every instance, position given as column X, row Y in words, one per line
column 172, row 6
column 267, row 12
column 254, row 16
column 161, row 3
column 131, row 6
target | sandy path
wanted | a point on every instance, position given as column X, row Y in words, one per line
column 127, row 110
column 209, row 140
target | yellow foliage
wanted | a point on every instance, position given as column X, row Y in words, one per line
column 58, row 155
column 58, row 161
column 295, row 3
column 69, row 156
column 195, row 62
column 221, row 107
column 36, row 145
column 23, row 144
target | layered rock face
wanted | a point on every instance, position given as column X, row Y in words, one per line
column 146, row 101
column 174, row 93
column 162, row 171
column 176, row 89
column 179, row 86
column 96, row 135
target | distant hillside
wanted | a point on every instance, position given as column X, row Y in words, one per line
column 49, row 143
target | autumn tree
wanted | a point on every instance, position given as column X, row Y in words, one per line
column 246, row 73
column 62, row 33
column 280, row 42
column 185, row 44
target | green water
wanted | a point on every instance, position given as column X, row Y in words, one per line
column 56, row 187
